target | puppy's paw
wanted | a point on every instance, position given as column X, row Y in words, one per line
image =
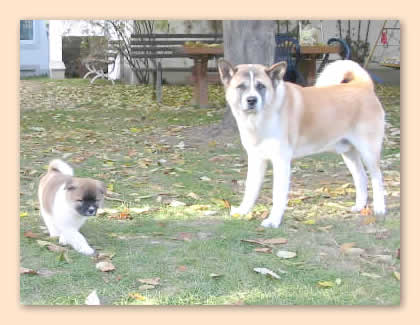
column 271, row 222
column 238, row 211
column 62, row 241
column 89, row 251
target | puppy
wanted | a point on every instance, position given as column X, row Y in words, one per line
column 66, row 202
column 279, row 121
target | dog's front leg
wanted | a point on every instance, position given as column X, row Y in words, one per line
column 77, row 241
column 254, row 180
column 281, row 171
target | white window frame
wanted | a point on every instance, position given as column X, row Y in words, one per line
column 34, row 34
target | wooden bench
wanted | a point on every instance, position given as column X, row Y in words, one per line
column 163, row 46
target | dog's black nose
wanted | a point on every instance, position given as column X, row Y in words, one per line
column 252, row 101
column 91, row 211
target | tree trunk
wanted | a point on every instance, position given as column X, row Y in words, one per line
column 245, row 42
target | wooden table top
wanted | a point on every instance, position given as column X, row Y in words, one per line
column 304, row 50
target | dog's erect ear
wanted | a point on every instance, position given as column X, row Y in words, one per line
column 276, row 71
column 226, row 71
column 69, row 186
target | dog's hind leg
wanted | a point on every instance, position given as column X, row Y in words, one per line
column 370, row 151
column 254, row 180
column 355, row 166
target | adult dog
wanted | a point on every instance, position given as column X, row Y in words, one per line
column 279, row 121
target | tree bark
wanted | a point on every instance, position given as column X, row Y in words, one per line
column 246, row 42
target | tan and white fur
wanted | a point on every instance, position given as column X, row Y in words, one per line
column 66, row 202
column 279, row 121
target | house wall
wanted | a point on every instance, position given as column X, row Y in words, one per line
column 34, row 55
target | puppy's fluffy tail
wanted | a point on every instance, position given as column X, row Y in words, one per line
column 60, row 166
column 343, row 71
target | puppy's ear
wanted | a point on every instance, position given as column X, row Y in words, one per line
column 69, row 185
column 101, row 187
column 276, row 71
column 226, row 71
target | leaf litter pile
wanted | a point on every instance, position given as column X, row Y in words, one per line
column 165, row 235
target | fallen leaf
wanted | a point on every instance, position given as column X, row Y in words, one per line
column 175, row 204
column 326, row 228
column 355, row 251
column 193, row 196
column 136, row 296
column 24, row 270
column 104, row 256
column 326, row 284
column 92, row 299
column 338, row 281
column 215, row 275
column 146, row 287
column 265, row 271
column 205, row 178
column 397, row 275
column 23, row 214
column 370, row 275
column 181, row 268
column 274, row 241
column 344, row 247
column 383, row 258
column 309, row 222
column 105, row 266
column 151, row 281
column 285, row 254
column 30, row 234
column 263, row 250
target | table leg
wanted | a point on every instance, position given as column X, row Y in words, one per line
column 309, row 69
column 201, row 97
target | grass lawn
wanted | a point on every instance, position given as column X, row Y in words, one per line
column 167, row 212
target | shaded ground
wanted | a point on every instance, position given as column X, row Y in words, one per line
column 166, row 216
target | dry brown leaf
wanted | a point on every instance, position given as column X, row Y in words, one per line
column 146, row 287
column 397, row 275
column 181, row 268
column 24, row 270
column 346, row 246
column 263, row 250
column 30, row 234
column 105, row 266
column 275, row 241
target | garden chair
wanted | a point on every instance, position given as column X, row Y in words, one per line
column 288, row 49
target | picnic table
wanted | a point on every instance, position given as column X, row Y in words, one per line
column 309, row 54
column 201, row 55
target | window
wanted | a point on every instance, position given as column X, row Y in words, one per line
column 26, row 30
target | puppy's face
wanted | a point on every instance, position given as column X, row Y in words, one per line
column 250, row 87
column 85, row 195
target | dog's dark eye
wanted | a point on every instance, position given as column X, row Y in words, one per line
column 241, row 86
column 79, row 200
column 260, row 86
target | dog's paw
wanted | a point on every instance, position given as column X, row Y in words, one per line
column 271, row 223
column 356, row 208
column 379, row 210
column 89, row 251
column 238, row 211
column 62, row 241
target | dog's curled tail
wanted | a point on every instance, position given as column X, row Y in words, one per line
column 343, row 71
column 61, row 167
